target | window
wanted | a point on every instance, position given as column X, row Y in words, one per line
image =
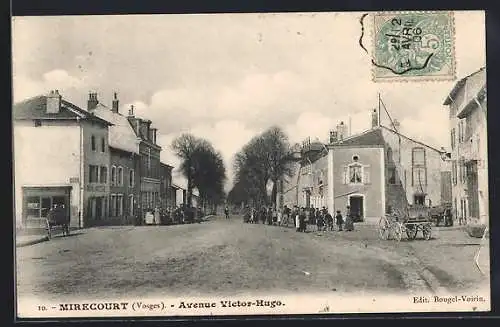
column 454, row 174
column 419, row 176
column 120, row 204
column 461, row 131
column 131, row 178
column 119, row 179
column 419, row 170
column 113, row 175
column 103, row 144
column 392, row 175
column 37, row 122
column 131, row 205
column 93, row 174
column 92, row 143
column 389, row 154
column 453, row 138
column 112, row 205
column 355, row 174
column 104, row 175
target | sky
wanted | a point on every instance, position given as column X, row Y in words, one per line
column 228, row 77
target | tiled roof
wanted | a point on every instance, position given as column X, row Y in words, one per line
column 35, row 108
column 367, row 138
column 477, row 74
column 121, row 134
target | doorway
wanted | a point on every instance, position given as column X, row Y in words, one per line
column 356, row 207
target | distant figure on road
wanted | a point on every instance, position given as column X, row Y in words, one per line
column 279, row 216
column 302, row 221
column 226, row 212
column 339, row 220
column 349, row 222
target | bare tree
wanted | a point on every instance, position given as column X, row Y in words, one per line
column 265, row 158
column 202, row 166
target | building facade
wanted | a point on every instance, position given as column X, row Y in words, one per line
column 124, row 161
column 72, row 173
column 370, row 172
column 166, row 185
column 149, row 163
column 467, row 107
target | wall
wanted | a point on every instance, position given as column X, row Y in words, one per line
column 371, row 159
column 127, row 161
column 402, row 159
column 44, row 156
column 98, row 158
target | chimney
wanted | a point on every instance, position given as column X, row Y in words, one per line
column 53, row 102
column 375, row 122
column 131, row 111
column 114, row 106
column 154, row 130
column 341, row 131
column 92, row 102
column 333, row 137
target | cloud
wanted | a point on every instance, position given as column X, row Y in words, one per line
column 227, row 136
column 59, row 79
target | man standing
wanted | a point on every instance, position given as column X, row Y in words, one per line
column 226, row 212
column 349, row 223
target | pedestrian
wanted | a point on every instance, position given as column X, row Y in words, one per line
column 302, row 221
column 263, row 213
column 296, row 217
column 279, row 216
column 275, row 216
column 349, row 223
column 226, row 212
column 320, row 222
column 252, row 215
column 339, row 220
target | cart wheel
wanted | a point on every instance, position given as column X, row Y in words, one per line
column 427, row 231
column 411, row 232
column 383, row 228
column 398, row 231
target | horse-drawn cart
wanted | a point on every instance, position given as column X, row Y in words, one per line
column 411, row 221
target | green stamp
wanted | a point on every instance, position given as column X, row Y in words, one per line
column 413, row 46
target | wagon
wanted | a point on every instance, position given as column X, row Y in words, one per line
column 411, row 221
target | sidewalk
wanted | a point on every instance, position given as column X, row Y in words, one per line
column 25, row 240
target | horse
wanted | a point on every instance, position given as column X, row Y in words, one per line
column 57, row 217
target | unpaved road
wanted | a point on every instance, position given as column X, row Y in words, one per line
column 219, row 257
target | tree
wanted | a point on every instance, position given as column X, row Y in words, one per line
column 264, row 158
column 202, row 166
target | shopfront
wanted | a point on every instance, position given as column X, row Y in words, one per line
column 37, row 201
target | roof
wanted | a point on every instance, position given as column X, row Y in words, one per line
column 366, row 138
column 374, row 137
column 166, row 165
column 460, row 84
column 472, row 103
column 35, row 108
column 121, row 134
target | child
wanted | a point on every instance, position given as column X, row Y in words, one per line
column 339, row 220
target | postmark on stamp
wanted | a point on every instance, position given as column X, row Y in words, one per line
column 413, row 46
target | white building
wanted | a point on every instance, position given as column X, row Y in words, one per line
column 467, row 106
column 61, row 156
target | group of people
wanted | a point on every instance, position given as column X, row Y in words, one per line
column 301, row 218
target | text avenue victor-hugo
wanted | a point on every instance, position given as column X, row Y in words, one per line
column 136, row 306
column 448, row 299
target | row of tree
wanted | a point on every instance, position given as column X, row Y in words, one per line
column 259, row 166
column 203, row 167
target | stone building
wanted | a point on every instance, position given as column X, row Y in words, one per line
column 124, row 163
column 61, row 156
column 467, row 107
column 370, row 172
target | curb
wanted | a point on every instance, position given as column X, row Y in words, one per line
column 32, row 242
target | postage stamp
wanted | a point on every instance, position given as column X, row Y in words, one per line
column 413, row 46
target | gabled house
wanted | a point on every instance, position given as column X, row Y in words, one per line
column 467, row 107
column 370, row 172
column 61, row 157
